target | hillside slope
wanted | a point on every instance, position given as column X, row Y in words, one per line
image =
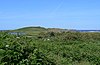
column 36, row 30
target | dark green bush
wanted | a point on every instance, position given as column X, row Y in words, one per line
column 19, row 51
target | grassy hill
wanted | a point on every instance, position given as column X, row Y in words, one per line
column 30, row 30
column 37, row 30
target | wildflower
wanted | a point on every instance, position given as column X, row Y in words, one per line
column 17, row 37
column 48, row 39
column 7, row 45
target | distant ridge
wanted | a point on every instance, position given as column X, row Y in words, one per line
column 38, row 29
column 88, row 30
column 43, row 29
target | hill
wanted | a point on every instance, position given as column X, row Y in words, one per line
column 30, row 30
column 36, row 30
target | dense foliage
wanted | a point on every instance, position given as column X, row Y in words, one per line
column 20, row 51
column 50, row 48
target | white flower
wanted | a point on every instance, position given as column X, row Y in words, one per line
column 7, row 45
column 17, row 37
column 48, row 39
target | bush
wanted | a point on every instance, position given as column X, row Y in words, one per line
column 15, row 51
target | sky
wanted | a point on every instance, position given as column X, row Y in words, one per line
column 67, row 14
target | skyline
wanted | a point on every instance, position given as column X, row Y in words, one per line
column 66, row 14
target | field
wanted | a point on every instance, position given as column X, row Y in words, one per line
column 49, row 48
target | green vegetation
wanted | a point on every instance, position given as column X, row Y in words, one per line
column 37, row 30
column 31, row 30
column 50, row 48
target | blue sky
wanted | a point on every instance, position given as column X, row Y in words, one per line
column 69, row 14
